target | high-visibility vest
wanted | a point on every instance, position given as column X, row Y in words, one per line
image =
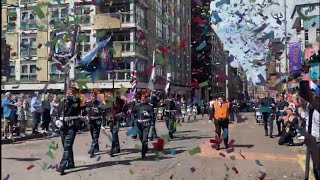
column 221, row 112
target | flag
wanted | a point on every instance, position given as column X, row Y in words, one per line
column 87, row 59
column 134, row 81
column 151, row 80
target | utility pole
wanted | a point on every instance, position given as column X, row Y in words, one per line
column 285, row 36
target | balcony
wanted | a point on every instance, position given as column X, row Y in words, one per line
column 123, row 75
column 107, row 21
column 128, row 49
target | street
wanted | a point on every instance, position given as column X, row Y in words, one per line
column 262, row 155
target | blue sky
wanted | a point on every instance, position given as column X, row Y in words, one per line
column 240, row 39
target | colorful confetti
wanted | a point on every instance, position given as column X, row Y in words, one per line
column 158, row 145
column 233, row 157
column 132, row 132
column 195, row 151
column 222, row 155
column 99, row 157
column 30, row 167
column 242, row 155
column 258, row 163
column 235, row 170
column 171, row 176
column 7, row 177
column 131, row 171
column 227, row 168
column 192, row 169
column 263, row 175
column 173, row 152
column 230, row 150
column 216, row 141
column 231, row 143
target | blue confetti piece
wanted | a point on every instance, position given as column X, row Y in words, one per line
column 215, row 18
column 173, row 152
column 7, row 177
column 132, row 132
column 110, row 138
column 201, row 46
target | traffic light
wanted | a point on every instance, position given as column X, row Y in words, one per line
column 5, row 59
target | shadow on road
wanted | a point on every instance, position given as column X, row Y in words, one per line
column 112, row 163
column 23, row 159
column 177, row 138
column 244, row 145
column 186, row 131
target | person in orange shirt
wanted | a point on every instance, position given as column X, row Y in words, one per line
column 220, row 113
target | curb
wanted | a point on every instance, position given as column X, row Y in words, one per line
column 18, row 139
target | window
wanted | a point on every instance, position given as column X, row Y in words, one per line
column 28, row 72
column 306, row 35
column 58, row 15
column 159, row 27
column 84, row 13
column 159, row 7
column 85, row 45
column 12, row 17
column 28, row 46
column 12, row 77
column 141, row 15
column 118, row 8
column 55, row 73
column 27, row 21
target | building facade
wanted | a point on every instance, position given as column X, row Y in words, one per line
column 137, row 27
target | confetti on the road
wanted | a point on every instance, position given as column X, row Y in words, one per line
column 215, row 146
column 231, row 143
column 132, row 132
column 195, row 151
column 258, row 163
column 242, row 155
column 230, row 150
column 235, row 170
column 226, row 177
column 158, row 145
column 192, row 169
column 51, row 153
column 45, row 166
column 131, row 171
column 233, row 157
column 171, row 176
column 221, row 154
column 99, row 157
column 166, row 138
column 7, row 177
column 39, row 46
column 173, row 152
column 216, row 141
column 226, row 166
column 263, row 175
column 30, row 167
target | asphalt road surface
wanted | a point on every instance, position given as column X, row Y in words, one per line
column 262, row 155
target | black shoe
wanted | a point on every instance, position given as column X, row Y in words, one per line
column 171, row 135
column 70, row 166
column 92, row 155
column 143, row 155
column 118, row 150
column 60, row 169
column 266, row 134
column 90, row 151
column 218, row 148
column 134, row 137
column 112, row 153
column 271, row 136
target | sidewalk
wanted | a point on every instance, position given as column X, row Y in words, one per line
column 27, row 137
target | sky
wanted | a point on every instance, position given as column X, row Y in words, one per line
column 241, row 37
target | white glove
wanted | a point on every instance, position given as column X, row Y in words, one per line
column 61, row 118
column 59, row 123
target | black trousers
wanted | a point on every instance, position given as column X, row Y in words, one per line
column 114, row 128
column 280, row 125
column 95, row 126
column 268, row 118
column 46, row 119
column 169, row 123
column 286, row 137
column 36, row 118
column 68, row 134
column 224, row 126
column 144, row 129
column 153, row 128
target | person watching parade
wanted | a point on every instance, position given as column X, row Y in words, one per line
column 267, row 105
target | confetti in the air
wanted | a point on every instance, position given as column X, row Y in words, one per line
column 263, row 175
column 227, row 168
column 99, row 157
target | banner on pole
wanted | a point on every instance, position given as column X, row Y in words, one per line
column 295, row 58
